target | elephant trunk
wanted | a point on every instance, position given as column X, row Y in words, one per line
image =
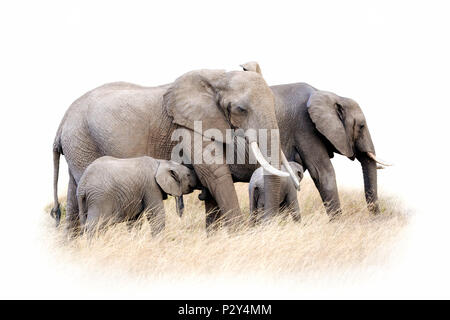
column 291, row 172
column 272, row 181
column 272, row 185
column 369, row 169
column 272, row 172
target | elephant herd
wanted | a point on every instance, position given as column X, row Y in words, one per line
column 118, row 141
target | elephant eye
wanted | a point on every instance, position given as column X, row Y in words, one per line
column 240, row 110
column 174, row 176
column 361, row 126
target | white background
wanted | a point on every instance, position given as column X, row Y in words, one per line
column 391, row 57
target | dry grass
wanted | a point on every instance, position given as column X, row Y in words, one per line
column 281, row 247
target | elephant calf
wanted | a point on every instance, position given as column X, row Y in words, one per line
column 115, row 190
column 288, row 192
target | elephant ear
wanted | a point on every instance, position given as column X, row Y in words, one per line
column 252, row 66
column 327, row 115
column 167, row 178
column 195, row 97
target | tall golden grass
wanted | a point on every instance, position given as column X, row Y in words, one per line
column 280, row 247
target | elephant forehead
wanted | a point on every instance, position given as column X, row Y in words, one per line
column 247, row 80
column 251, row 94
column 355, row 110
column 348, row 103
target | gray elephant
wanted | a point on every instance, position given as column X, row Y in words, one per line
column 116, row 190
column 125, row 120
column 288, row 193
column 314, row 125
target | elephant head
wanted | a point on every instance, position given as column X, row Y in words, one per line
column 227, row 100
column 296, row 168
column 341, row 121
column 174, row 178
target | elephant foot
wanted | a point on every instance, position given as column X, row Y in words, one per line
column 212, row 220
column 212, row 211
column 335, row 215
column 296, row 218
column 72, row 227
column 374, row 208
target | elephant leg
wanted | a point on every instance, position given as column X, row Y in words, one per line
column 154, row 211
column 259, row 214
column 292, row 203
column 100, row 214
column 324, row 178
column 212, row 210
column 218, row 180
column 72, row 219
column 92, row 220
column 253, row 204
column 134, row 222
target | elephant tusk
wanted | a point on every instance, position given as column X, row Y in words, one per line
column 374, row 158
column 289, row 169
column 263, row 162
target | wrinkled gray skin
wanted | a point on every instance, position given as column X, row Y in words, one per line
column 115, row 190
column 125, row 120
column 315, row 124
column 288, row 193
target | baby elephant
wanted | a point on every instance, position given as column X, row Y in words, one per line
column 288, row 193
column 116, row 190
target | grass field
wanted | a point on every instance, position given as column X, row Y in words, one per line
column 280, row 247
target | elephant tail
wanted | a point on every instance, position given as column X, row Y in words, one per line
column 57, row 151
column 81, row 196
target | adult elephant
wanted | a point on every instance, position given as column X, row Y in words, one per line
column 124, row 120
column 314, row 125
